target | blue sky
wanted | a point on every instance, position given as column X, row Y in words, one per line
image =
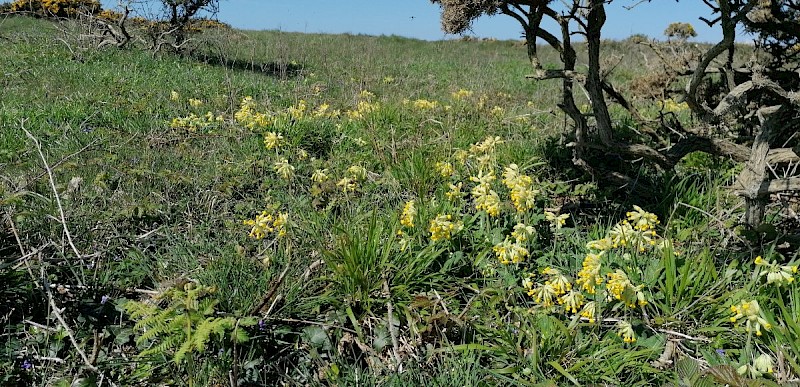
column 420, row 19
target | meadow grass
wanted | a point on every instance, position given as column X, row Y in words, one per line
column 350, row 295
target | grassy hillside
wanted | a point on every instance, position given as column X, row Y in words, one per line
column 303, row 209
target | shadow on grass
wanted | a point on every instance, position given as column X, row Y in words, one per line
column 273, row 69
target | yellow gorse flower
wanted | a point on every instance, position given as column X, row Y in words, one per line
column 408, row 215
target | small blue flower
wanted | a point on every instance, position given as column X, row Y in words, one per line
column 26, row 365
column 104, row 299
column 262, row 325
column 721, row 352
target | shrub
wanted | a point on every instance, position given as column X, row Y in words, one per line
column 55, row 8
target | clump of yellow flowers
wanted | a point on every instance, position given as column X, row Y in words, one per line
column 268, row 223
column 408, row 215
column 753, row 316
column 442, row 227
column 776, row 274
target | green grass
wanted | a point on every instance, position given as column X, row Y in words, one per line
column 151, row 207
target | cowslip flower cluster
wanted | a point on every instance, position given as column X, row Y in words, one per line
column 445, row 169
column 461, row 94
column 752, row 314
column 455, row 194
column 408, row 215
column 486, row 199
column 268, row 223
column 442, row 227
column 625, row 330
column 763, row 364
column 589, row 276
column 249, row 117
column 556, row 221
column 523, row 196
column 619, row 287
column 284, row 169
column 424, row 104
column 273, row 140
column 509, row 251
column 193, row 122
column 776, row 274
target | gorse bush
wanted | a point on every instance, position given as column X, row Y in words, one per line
column 56, row 8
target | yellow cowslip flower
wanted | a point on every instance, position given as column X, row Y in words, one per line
column 589, row 276
column 388, row 80
column 483, row 180
column 497, row 111
column 589, row 311
column 461, row 156
column 302, row 154
column 603, row 244
column 174, row 96
column 193, row 102
column 560, row 282
column 619, row 287
column 424, row 104
column 320, row 175
column 357, row 172
column 753, row 316
column 776, row 274
column 641, row 219
column 510, row 175
column 442, row 228
column 359, row 141
column 486, row 200
column 488, row 145
column 347, row 184
column 273, row 140
column 764, row 364
column 284, row 169
column 522, row 232
column 299, row 111
column 455, row 192
column 408, row 215
column 621, row 234
column 523, row 197
column 404, row 240
column 572, row 301
column 461, row 94
column 444, row 169
column 556, row 221
column 366, row 94
column 508, row 252
column 543, row 295
column 321, row 110
column 486, row 161
column 266, row 223
column 625, row 330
